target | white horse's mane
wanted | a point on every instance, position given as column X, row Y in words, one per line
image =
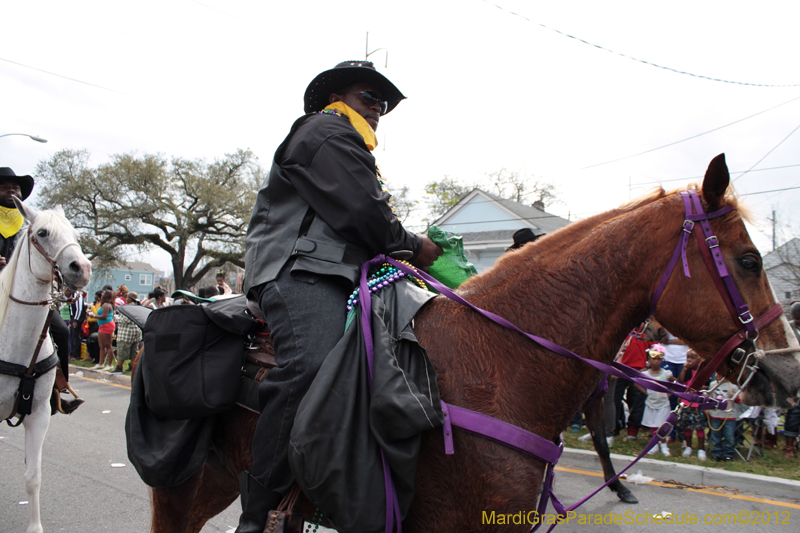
column 57, row 224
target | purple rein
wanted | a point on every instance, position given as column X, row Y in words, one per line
column 503, row 432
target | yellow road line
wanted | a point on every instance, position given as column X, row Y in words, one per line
column 704, row 491
column 103, row 382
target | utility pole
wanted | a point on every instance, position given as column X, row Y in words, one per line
column 774, row 224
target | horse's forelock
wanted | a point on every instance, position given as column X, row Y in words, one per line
column 56, row 223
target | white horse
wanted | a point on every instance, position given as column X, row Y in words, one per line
column 46, row 242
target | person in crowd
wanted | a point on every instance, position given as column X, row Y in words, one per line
column 105, row 331
column 222, row 287
column 128, row 337
column 156, row 299
column 94, row 308
column 120, row 296
column 692, row 419
column 320, row 214
column 64, row 307
column 674, row 359
column 791, row 425
column 92, row 346
column 77, row 315
column 656, row 407
column 634, row 355
column 11, row 222
column 723, row 423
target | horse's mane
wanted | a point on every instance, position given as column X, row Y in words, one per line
column 566, row 236
column 7, row 275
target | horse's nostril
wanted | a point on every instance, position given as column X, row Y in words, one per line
column 74, row 266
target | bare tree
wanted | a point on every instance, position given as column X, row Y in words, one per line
column 195, row 211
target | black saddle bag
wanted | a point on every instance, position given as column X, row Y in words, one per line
column 192, row 365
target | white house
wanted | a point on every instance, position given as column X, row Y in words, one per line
column 487, row 223
column 782, row 266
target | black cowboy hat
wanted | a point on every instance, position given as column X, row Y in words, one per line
column 523, row 236
column 25, row 182
column 343, row 75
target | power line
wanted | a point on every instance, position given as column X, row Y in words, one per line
column 650, row 63
column 766, row 192
column 701, row 177
column 64, row 77
column 692, row 137
column 765, row 155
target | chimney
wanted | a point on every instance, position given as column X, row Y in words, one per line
column 538, row 204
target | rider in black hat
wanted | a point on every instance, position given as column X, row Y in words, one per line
column 321, row 213
column 10, row 223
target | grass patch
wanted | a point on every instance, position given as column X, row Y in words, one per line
column 90, row 364
column 772, row 463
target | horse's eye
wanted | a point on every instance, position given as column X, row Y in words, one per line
column 750, row 264
column 42, row 233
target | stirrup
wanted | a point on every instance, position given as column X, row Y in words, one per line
column 64, row 406
column 286, row 519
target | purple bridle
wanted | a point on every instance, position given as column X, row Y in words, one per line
column 696, row 220
column 539, row 447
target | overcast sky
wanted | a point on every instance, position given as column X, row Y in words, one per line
column 506, row 83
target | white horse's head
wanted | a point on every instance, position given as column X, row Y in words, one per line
column 58, row 242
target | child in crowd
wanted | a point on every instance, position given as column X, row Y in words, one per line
column 723, row 423
column 692, row 419
column 656, row 406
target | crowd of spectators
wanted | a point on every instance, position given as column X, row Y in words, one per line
column 101, row 334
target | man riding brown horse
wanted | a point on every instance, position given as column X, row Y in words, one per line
column 320, row 214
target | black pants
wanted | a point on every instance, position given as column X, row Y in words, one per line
column 75, row 341
column 306, row 317
column 635, row 400
column 60, row 334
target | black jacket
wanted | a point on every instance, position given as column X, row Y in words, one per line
column 7, row 246
column 321, row 205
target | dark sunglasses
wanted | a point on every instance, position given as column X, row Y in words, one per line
column 370, row 98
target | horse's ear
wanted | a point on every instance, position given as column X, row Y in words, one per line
column 716, row 182
column 59, row 210
column 28, row 213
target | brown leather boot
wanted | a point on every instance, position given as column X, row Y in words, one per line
column 789, row 447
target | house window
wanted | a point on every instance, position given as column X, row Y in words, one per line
column 127, row 277
column 109, row 275
column 787, row 295
column 145, row 279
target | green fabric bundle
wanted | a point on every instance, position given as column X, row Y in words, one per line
column 452, row 268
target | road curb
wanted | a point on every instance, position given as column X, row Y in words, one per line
column 773, row 487
column 100, row 375
column 587, row 459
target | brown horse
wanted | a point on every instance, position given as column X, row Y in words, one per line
column 583, row 287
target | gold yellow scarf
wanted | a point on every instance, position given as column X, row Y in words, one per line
column 359, row 123
column 11, row 220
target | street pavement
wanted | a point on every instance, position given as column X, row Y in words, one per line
column 85, row 490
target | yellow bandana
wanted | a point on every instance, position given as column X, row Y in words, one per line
column 11, row 221
column 359, row 123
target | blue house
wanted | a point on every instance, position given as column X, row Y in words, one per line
column 488, row 222
column 137, row 276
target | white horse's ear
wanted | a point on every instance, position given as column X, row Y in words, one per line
column 60, row 210
column 28, row 213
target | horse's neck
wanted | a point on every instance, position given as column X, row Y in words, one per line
column 22, row 324
column 585, row 296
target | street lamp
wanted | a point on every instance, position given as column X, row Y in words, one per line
column 37, row 139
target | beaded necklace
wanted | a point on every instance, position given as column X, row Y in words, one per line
column 382, row 278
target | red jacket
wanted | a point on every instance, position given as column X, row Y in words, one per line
column 635, row 355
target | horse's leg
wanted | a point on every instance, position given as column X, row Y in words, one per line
column 218, row 489
column 596, row 422
column 171, row 506
column 36, row 425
